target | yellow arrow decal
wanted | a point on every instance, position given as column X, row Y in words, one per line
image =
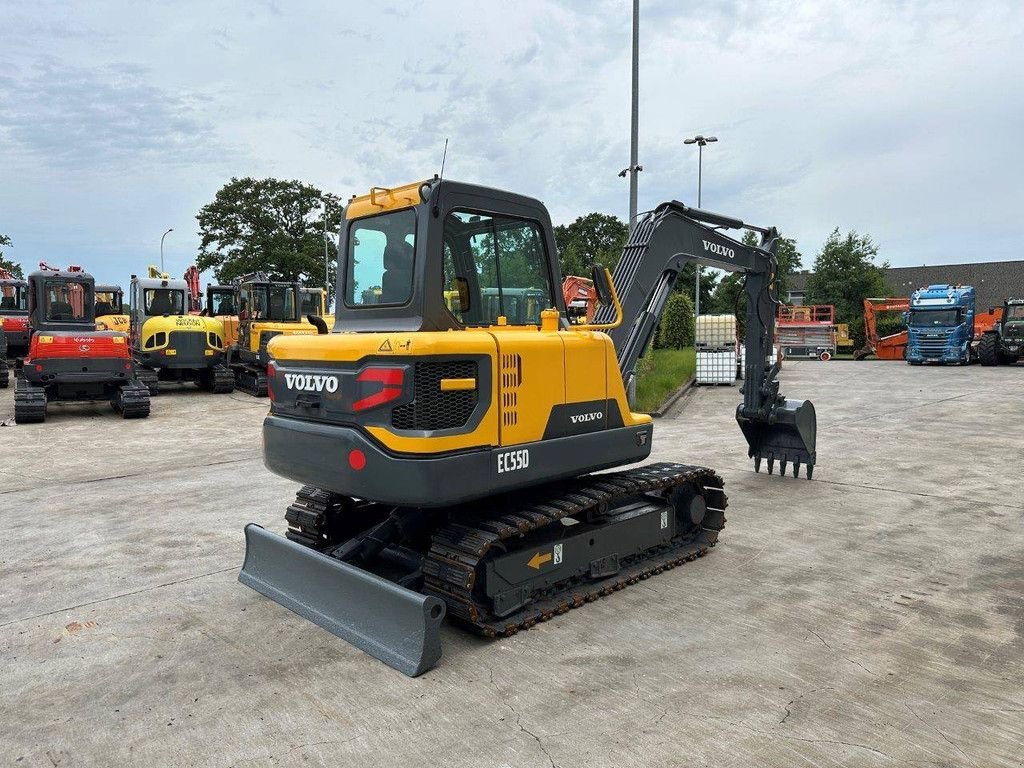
column 539, row 559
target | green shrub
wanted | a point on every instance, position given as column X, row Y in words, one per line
column 677, row 324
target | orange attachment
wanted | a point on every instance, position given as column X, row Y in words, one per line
column 581, row 291
column 892, row 347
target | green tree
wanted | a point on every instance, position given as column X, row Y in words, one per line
column 845, row 274
column 676, row 329
column 596, row 238
column 11, row 266
column 708, row 283
column 268, row 225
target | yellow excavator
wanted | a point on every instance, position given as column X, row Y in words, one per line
column 314, row 302
column 447, row 441
column 171, row 345
column 110, row 314
column 266, row 309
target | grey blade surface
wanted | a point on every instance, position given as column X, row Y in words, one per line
column 394, row 624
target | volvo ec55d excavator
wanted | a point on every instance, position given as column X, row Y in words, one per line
column 448, row 451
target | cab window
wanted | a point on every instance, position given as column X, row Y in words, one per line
column 500, row 265
column 381, row 250
column 108, row 303
column 163, row 301
column 66, row 302
column 13, row 298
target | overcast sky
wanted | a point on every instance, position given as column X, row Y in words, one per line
column 900, row 119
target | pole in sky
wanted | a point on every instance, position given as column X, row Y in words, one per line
column 634, row 168
column 700, row 141
column 165, row 234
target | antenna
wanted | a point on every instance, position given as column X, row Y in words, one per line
column 444, row 156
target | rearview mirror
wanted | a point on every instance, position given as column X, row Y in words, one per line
column 602, row 287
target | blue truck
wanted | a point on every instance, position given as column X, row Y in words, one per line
column 940, row 325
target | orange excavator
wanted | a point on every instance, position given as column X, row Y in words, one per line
column 891, row 347
column 580, row 298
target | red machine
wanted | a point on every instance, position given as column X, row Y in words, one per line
column 891, row 347
column 195, row 294
column 808, row 332
column 580, row 298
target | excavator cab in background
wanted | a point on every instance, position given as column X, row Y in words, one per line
column 266, row 309
column 14, row 331
column 220, row 303
column 69, row 360
column 447, row 440
column 168, row 343
column 314, row 302
column 110, row 314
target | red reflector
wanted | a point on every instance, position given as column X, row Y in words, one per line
column 127, row 366
column 271, row 372
column 271, row 369
column 356, row 459
column 390, row 378
column 39, row 368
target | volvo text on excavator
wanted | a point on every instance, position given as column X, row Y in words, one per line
column 449, row 440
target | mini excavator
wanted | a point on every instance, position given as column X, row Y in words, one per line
column 449, row 440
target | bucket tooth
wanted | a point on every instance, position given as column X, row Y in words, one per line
column 757, row 463
column 394, row 624
column 771, row 464
column 782, row 467
column 796, row 468
column 810, row 471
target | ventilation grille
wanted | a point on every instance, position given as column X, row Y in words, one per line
column 511, row 378
column 432, row 409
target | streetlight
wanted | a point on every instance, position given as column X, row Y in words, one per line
column 165, row 234
column 701, row 142
column 634, row 168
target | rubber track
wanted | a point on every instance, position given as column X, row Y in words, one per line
column 451, row 567
column 149, row 378
column 251, row 380
column 5, row 375
column 132, row 400
column 223, row 380
column 29, row 402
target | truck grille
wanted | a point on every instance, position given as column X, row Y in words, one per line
column 432, row 409
column 933, row 347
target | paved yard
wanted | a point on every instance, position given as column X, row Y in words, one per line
column 871, row 617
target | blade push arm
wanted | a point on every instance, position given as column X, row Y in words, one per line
column 660, row 245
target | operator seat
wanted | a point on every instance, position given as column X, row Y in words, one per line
column 104, row 308
column 161, row 304
column 396, row 282
column 7, row 302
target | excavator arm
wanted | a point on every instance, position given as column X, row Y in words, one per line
column 660, row 245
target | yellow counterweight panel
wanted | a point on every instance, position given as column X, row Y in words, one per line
column 181, row 324
column 531, row 372
column 285, row 329
column 113, row 323
column 617, row 391
column 586, row 375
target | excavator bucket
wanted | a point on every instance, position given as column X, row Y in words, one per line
column 396, row 625
column 789, row 437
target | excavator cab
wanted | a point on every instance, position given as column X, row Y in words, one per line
column 447, row 441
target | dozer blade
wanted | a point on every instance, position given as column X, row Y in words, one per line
column 790, row 436
column 394, row 624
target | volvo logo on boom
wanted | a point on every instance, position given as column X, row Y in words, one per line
column 721, row 250
column 308, row 382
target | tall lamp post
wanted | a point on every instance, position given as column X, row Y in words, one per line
column 701, row 142
column 165, row 234
column 634, row 168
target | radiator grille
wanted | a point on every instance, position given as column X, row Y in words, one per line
column 432, row 409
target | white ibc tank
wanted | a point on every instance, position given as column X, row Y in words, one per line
column 716, row 332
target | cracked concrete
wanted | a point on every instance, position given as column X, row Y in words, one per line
column 870, row 617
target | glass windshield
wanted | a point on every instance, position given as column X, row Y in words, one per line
column 164, row 301
column 222, row 302
column 108, row 303
column 1015, row 312
column 936, row 318
column 13, row 298
column 381, row 252
column 275, row 303
column 499, row 265
column 311, row 302
column 66, row 301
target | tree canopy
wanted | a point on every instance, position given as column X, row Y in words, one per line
column 11, row 266
column 596, row 238
column 845, row 274
column 268, row 225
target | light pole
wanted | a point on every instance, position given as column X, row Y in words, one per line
column 165, row 234
column 634, row 168
column 700, row 141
